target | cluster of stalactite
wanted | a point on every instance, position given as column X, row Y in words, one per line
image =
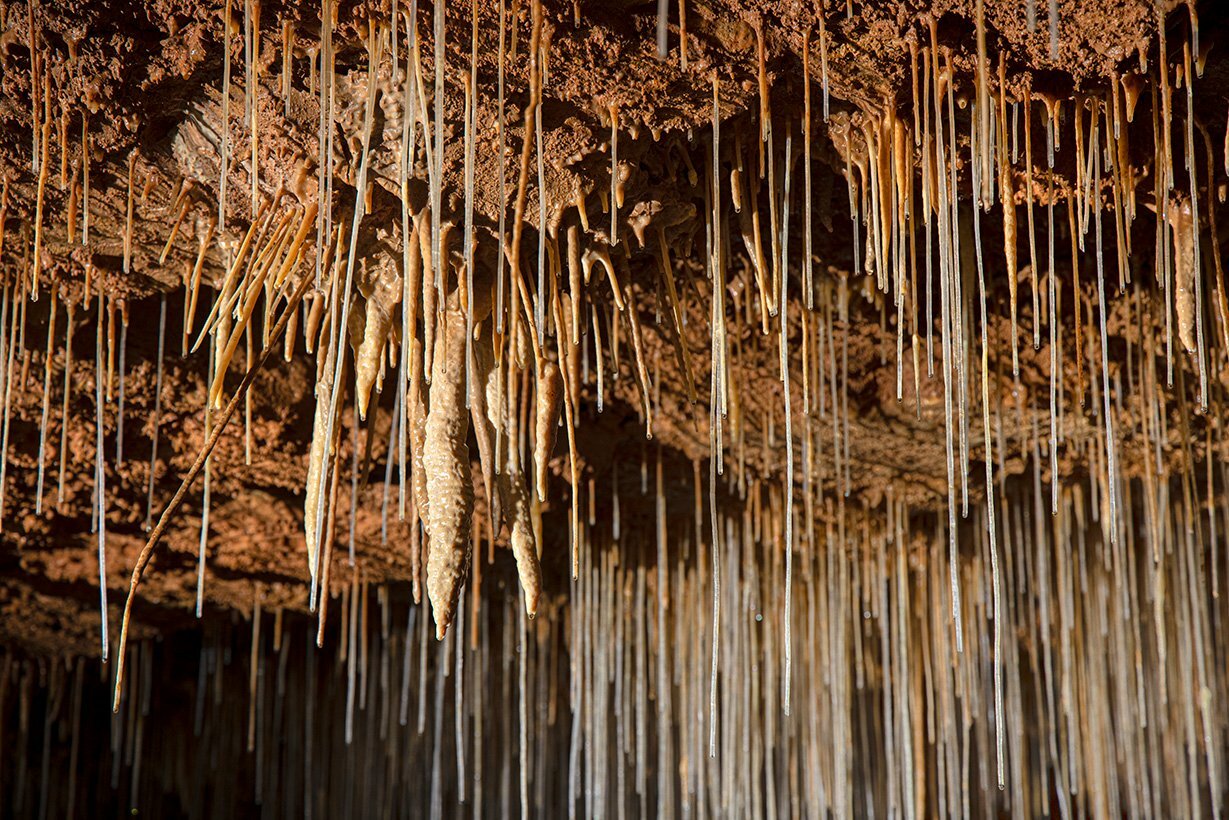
column 791, row 648
column 657, row 689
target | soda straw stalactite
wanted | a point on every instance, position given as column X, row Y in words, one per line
column 843, row 620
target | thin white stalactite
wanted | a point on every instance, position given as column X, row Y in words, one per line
column 501, row 262
column 42, row 428
column 224, row 126
column 390, row 459
column 539, row 307
column 206, row 492
column 787, row 672
column 614, row 175
column 717, row 328
column 1191, row 163
column 123, row 361
column 1053, row 29
column 437, row 212
column 85, row 178
column 471, row 126
column 100, row 487
column 823, row 60
column 663, row 18
column 340, row 327
column 71, row 309
column 324, row 157
column 409, row 247
column 8, row 316
column 252, row 93
column 157, row 416
column 1111, row 449
column 36, row 63
column 988, row 459
column 945, row 319
column 808, row 282
column 957, row 315
column 354, row 462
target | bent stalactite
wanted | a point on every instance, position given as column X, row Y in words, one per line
column 916, row 512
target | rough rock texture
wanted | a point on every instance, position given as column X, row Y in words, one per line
column 143, row 81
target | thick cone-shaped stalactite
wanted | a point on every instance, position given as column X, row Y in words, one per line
column 733, row 408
